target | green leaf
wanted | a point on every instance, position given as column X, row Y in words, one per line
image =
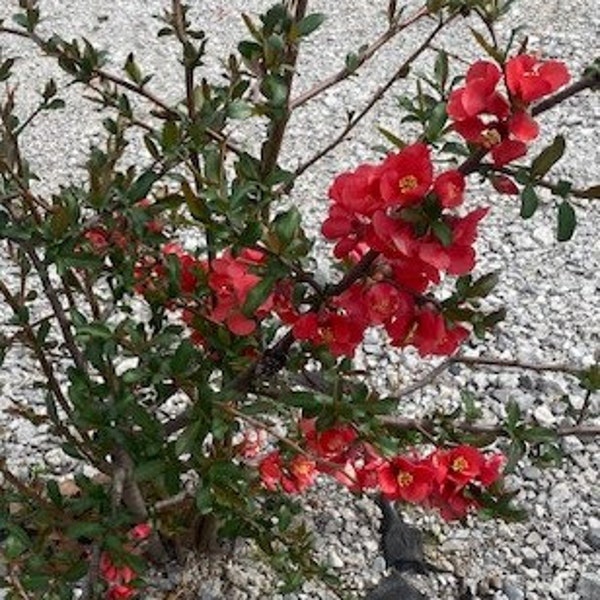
column 529, row 202
column 513, row 415
column 149, row 470
column 55, row 104
column 310, row 23
column 440, row 68
column 85, row 529
column 257, row 295
column 566, row 222
column 5, row 68
column 548, row 157
column 493, row 52
column 142, row 185
column 437, row 120
column 49, row 89
column 170, row 136
column 16, row 543
column 484, row 285
column 537, row 434
column 590, row 378
column 132, row 69
column 94, row 330
column 240, row 109
column 54, row 492
column 286, row 225
column 442, row 232
column 183, row 357
column 274, row 89
column 392, row 137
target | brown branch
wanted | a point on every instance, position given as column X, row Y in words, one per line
column 586, row 82
column 57, row 308
column 476, row 361
column 408, row 424
column 392, row 31
column 401, row 72
column 123, row 83
column 52, row 382
column 127, row 489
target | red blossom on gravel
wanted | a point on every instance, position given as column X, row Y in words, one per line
column 450, row 188
column 406, row 479
column 293, row 478
column 528, row 78
column 406, row 175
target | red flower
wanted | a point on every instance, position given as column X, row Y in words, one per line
column 479, row 93
column 461, row 465
column 360, row 471
column 292, row 479
column 490, row 470
column 529, row 79
column 450, row 188
column 98, row 238
column 406, row 176
column 508, row 150
column 452, row 502
column 270, row 471
column 120, row 592
column 231, row 282
column 406, row 479
column 141, row 531
column 340, row 333
column 303, row 472
column 331, row 444
column 358, row 192
column 113, row 573
column 431, row 334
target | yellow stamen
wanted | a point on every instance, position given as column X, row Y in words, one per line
column 408, row 183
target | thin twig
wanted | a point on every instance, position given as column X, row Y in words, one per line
column 408, row 424
column 515, row 364
column 361, row 59
column 376, row 97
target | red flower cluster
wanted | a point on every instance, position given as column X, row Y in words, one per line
column 384, row 208
column 498, row 122
column 294, row 477
column 119, row 579
column 215, row 292
column 445, row 479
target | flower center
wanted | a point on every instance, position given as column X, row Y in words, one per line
column 490, row 138
column 408, row 183
column 404, row 479
column 459, row 464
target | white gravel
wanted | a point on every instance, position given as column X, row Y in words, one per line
column 551, row 290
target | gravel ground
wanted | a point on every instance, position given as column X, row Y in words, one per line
column 551, row 289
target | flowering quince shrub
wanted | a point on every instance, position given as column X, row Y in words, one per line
column 201, row 388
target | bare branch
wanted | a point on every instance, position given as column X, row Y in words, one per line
column 393, row 30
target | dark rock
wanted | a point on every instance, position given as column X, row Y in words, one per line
column 394, row 587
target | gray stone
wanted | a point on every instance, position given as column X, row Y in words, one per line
column 592, row 536
column 530, row 556
column 544, row 416
column 588, row 586
column 334, row 560
column 512, row 591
